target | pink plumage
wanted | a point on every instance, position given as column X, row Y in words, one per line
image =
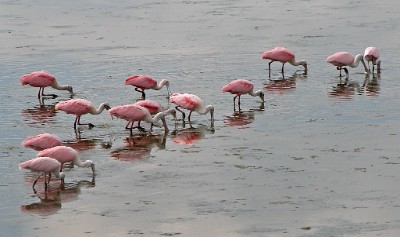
column 43, row 166
column 42, row 141
column 151, row 105
column 65, row 154
column 75, row 106
column 238, row 87
column 37, row 79
column 280, row 54
column 144, row 82
column 80, row 107
column 371, row 53
column 141, row 81
column 192, row 103
column 43, row 79
column 129, row 112
column 340, row 59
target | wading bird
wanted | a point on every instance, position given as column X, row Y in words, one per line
column 42, row 141
column 44, row 166
column 240, row 87
column 372, row 54
column 192, row 103
column 66, row 154
column 343, row 59
column 144, row 82
column 43, row 79
column 282, row 55
column 133, row 112
column 80, row 107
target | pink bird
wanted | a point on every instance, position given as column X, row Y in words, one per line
column 282, row 55
column 151, row 105
column 144, row 82
column 342, row 59
column 43, row 79
column 41, row 141
column 133, row 112
column 80, row 107
column 66, row 154
column 43, row 166
column 240, row 87
column 192, row 103
column 372, row 54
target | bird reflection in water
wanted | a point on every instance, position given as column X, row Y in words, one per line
column 189, row 136
column 345, row 89
column 139, row 146
column 40, row 114
column 281, row 85
column 239, row 119
column 51, row 200
column 371, row 85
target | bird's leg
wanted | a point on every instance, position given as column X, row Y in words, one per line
column 283, row 66
column 346, row 71
column 45, row 183
column 52, row 95
column 34, row 183
column 127, row 125
column 183, row 113
column 269, row 68
column 340, row 71
column 38, row 95
column 190, row 113
column 141, row 91
column 78, row 120
column 234, row 103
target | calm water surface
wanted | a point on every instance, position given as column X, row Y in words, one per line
column 321, row 159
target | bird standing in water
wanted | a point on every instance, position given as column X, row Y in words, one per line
column 372, row 54
column 343, row 59
column 144, row 82
column 43, row 79
column 282, row 55
column 240, row 87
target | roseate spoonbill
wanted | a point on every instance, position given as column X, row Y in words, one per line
column 41, row 141
column 282, row 55
column 43, row 79
column 43, row 166
column 240, row 87
column 192, row 103
column 80, row 107
column 133, row 112
column 144, row 82
column 66, row 154
column 372, row 54
column 151, row 105
column 342, row 59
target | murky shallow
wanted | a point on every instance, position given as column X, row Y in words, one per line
column 321, row 159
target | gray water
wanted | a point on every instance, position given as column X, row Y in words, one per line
column 321, row 159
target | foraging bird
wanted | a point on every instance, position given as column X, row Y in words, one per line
column 372, row 54
column 192, row 103
column 240, row 87
column 43, row 79
column 133, row 112
column 144, row 82
column 41, row 141
column 151, row 105
column 282, row 55
column 343, row 59
column 66, row 154
column 80, row 107
column 43, row 166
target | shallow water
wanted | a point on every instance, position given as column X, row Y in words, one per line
column 320, row 159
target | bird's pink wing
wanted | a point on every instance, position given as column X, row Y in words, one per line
column 151, row 105
column 42, row 141
column 61, row 153
column 129, row 112
column 340, row 59
column 187, row 101
column 141, row 81
column 372, row 52
column 37, row 79
column 41, row 164
column 280, row 54
column 239, row 86
column 75, row 106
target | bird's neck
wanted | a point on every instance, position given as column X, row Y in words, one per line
column 357, row 59
column 257, row 93
column 55, row 85
column 161, row 84
column 205, row 109
column 99, row 109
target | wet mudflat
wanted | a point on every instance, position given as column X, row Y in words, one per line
column 319, row 159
